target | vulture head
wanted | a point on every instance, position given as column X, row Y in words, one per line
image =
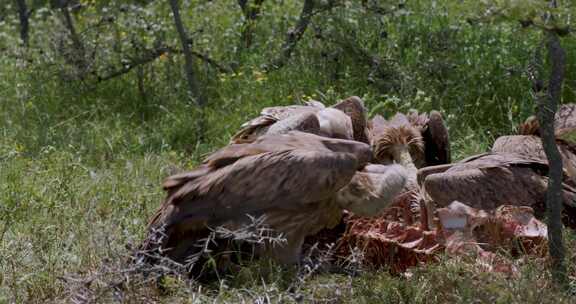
column 396, row 141
column 414, row 139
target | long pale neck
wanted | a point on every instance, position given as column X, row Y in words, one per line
column 403, row 157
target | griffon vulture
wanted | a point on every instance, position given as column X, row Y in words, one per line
column 564, row 124
column 489, row 180
column 298, row 182
column 345, row 120
column 532, row 145
column 414, row 140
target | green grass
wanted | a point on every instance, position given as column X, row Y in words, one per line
column 81, row 163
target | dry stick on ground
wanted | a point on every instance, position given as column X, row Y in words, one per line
column 24, row 15
column 193, row 86
column 547, row 104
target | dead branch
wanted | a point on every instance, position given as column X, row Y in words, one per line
column 149, row 56
column 309, row 9
column 146, row 57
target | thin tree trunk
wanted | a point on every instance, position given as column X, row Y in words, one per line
column 547, row 104
column 24, row 15
column 557, row 57
column 251, row 12
column 193, row 86
column 294, row 35
column 78, row 59
column 140, row 76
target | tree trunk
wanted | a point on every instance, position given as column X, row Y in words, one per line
column 24, row 15
column 251, row 12
column 547, row 104
column 78, row 58
column 193, row 87
column 557, row 57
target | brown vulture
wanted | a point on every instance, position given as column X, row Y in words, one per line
column 413, row 138
column 513, row 173
column 345, row 120
column 564, row 124
column 297, row 182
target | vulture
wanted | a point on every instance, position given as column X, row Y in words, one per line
column 345, row 120
column 297, row 182
column 564, row 124
column 531, row 145
column 513, row 173
column 411, row 139
column 489, row 180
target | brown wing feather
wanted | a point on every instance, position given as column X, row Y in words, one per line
column 565, row 122
column 424, row 172
column 268, row 116
column 305, row 122
column 531, row 146
column 436, row 141
column 521, row 144
column 283, row 180
column 354, row 107
column 488, row 188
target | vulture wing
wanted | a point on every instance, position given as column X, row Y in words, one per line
column 305, row 122
column 488, row 188
column 531, row 146
column 424, row 172
column 254, row 184
column 565, row 123
column 281, row 173
column 521, row 144
column 354, row 107
column 259, row 126
column 493, row 179
column 436, row 141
